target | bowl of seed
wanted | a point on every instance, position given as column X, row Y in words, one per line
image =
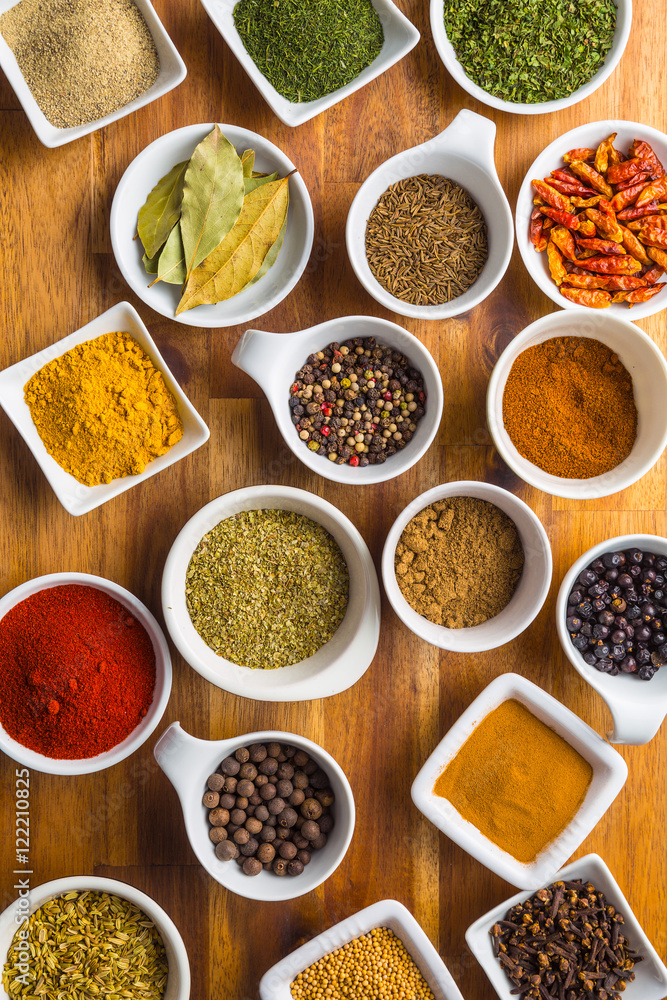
column 270, row 592
column 611, row 616
column 270, row 815
column 304, row 58
column 571, row 404
column 583, row 897
column 77, row 67
column 467, row 566
column 357, row 399
column 508, row 58
column 519, row 781
column 364, row 944
column 429, row 233
column 135, row 951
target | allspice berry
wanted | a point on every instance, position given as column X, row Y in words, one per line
column 276, row 805
column 253, row 825
column 230, row 785
column 319, row 842
column 284, row 788
column 326, row 824
column 280, row 866
column 267, row 834
column 300, row 758
column 251, row 866
column 248, row 771
column 250, row 849
column 215, row 782
column 241, row 836
column 245, row 787
column 230, row 766
column 218, row 816
column 268, row 766
column 287, row 817
column 228, row 800
column 311, row 809
column 242, row 755
column 267, row 792
column 266, row 853
column 287, row 850
column 217, row 834
column 261, row 812
column 297, row 797
column 210, row 799
column 310, row 830
column 273, row 749
column 325, row 798
column 226, row 850
column 295, row 867
column 304, row 857
column 257, row 753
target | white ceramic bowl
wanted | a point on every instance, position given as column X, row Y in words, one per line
column 272, row 359
column 642, row 359
column 275, row 984
column 551, row 158
column 463, row 152
column 75, row 497
column 448, row 55
column 339, row 663
column 188, row 762
column 400, row 35
column 172, row 72
column 528, row 597
column 178, row 978
column 650, row 981
column 143, row 174
column 637, row 707
column 51, row 765
column 609, row 774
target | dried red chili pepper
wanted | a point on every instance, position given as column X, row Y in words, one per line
column 641, row 178
column 601, row 246
column 586, row 202
column 634, row 246
column 587, row 280
column 551, row 196
column 77, row 672
column 641, row 295
column 564, row 240
column 653, row 192
column 659, row 256
column 660, row 221
column 586, row 227
column 604, row 224
column 613, row 265
column 645, row 151
column 592, row 177
column 537, row 237
column 556, row 266
column 651, row 276
column 627, row 282
column 567, row 188
column 627, row 196
column 596, row 299
column 567, row 219
column 583, row 153
column 621, row 172
column 653, row 236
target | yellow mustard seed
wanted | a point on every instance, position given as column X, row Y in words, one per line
column 375, row 965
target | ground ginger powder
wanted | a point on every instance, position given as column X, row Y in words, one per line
column 103, row 410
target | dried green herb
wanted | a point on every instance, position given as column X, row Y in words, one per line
column 84, row 945
column 308, row 48
column 426, row 240
column 529, row 51
column 267, row 588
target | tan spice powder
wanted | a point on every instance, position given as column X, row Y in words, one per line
column 81, row 59
column 516, row 780
column 458, row 561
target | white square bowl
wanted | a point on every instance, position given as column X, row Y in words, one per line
column 400, row 35
column 275, row 984
column 650, row 981
column 172, row 72
column 75, row 497
column 609, row 774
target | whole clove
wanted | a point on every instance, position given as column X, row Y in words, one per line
column 565, row 943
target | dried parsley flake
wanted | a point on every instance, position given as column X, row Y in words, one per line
column 529, row 51
column 267, row 588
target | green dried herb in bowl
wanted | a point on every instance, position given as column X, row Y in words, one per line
column 308, row 48
column 530, row 51
column 267, row 588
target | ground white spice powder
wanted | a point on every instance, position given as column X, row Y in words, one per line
column 81, row 59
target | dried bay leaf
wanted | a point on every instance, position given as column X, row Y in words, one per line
column 213, row 192
column 257, row 180
column 161, row 210
column 272, row 255
column 239, row 257
column 248, row 162
column 150, row 263
column 171, row 266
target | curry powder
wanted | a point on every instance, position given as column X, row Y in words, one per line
column 103, row 410
column 516, row 780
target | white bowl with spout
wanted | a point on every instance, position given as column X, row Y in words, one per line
column 188, row 762
column 272, row 359
column 637, row 707
column 30, row 899
column 463, row 152
column 336, row 665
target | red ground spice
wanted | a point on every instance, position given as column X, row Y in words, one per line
column 77, row 672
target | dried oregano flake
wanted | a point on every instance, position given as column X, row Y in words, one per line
column 267, row 588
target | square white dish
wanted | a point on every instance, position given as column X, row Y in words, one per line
column 400, row 35
column 650, row 981
column 172, row 72
column 75, row 497
column 609, row 774
column 275, row 984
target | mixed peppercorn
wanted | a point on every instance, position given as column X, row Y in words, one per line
column 617, row 613
column 358, row 402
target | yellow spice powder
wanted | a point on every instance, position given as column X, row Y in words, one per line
column 516, row 780
column 103, row 410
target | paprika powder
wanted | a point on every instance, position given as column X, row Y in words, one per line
column 569, row 407
column 77, row 672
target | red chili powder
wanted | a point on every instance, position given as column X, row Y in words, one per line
column 77, row 672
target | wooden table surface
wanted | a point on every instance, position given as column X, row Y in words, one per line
column 59, row 272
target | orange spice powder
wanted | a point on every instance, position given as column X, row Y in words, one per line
column 516, row 780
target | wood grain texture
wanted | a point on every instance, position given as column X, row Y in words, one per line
column 59, row 272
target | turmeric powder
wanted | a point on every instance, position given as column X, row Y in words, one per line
column 103, row 410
